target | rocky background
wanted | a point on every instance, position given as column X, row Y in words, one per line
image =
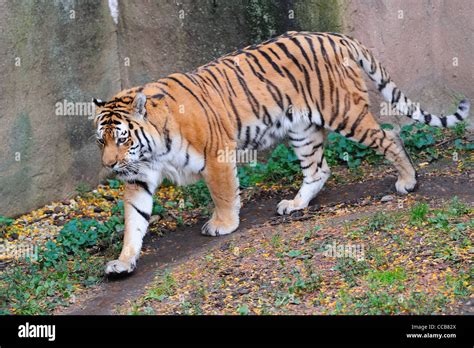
column 54, row 54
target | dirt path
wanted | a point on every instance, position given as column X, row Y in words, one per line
column 176, row 247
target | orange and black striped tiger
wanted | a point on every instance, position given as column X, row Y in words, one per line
column 297, row 85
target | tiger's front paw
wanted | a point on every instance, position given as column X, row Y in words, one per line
column 404, row 186
column 215, row 227
column 119, row 267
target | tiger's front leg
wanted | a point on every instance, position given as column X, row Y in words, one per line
column 138, row 204
column 223, row 183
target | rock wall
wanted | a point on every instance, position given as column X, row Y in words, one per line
column 158, row 38
column 427, row 47
column 50, row 51
column 56, row 55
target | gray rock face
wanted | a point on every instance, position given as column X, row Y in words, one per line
column 165, row 37
column 50, row 52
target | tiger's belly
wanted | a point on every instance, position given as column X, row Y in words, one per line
column 261, row 135
column 179, row 176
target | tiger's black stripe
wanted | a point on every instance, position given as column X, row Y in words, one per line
column 142, row 184
column 146, row 216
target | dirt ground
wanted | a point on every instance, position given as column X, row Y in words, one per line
column 239, row 273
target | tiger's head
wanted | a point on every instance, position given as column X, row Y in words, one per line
column 123, row 133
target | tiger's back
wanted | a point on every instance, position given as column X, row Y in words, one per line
column 255, row 95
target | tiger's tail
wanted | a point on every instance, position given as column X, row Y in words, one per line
column 396, row 97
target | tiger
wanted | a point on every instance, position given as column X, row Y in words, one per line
column 298, row 86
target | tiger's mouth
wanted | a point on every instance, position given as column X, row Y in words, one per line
column 122, row 174
column 119, row 170
column 126, row 169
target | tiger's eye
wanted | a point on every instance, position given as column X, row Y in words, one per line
column 122, row 140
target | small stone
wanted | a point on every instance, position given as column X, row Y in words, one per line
column 303, row 257
column 386, row 198
column 13, row 236
column 155, row 218
column 243, row 291
column 225, row 246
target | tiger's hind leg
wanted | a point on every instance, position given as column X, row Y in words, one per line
column 308, row 144
column 387, row 143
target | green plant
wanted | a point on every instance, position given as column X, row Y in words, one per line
column 4, row 221
column 250, row 175
column 440, row 220
column 418, row 139
column 114, row 183
column 37, row 286
column 243, row 309
column 388, row 277
column 378, row 222
column 419, row 212
column 459, row 129
column 294, row 253
column 459, row 284
column 157, row 209
column 377, row 256
column 281, row 166
column 351, row 269
column 197, row 194
column 164, row 286
column 457, row 208
column 276, row 240
column 118, row 209
column 297, row 284
column 460, row 145
column 339, row 149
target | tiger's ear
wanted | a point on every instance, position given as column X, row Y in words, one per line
column 98, row 102
column 138, row 105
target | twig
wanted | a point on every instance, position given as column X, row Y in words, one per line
column 444, row 142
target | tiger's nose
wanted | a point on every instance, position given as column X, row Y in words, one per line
column 110, row 165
